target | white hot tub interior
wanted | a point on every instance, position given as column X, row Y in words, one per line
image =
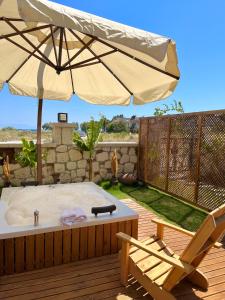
column 50, row 201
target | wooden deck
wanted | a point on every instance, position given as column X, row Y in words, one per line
column 98, row 278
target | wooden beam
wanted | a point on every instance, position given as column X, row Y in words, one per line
column 68, row 55
column 60, row 49
column 198, row 157
column 95, row 55
column 135, row 58
column 39, row 156
column 78, row 53
column 82, row 63
column 11, row 19
column 28, row 51
column 23, row 31
column 53, row 43
column 30, row 43
column 26, row 60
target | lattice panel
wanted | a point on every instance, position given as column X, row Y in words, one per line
column 211, row 192
column 185, row 156
column 156, row 152
column 182, row 156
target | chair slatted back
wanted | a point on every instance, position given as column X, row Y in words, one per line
column 207, row 235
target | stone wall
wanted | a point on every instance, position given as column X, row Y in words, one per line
column 64, row 159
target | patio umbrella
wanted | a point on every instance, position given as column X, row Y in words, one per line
column 50, row 51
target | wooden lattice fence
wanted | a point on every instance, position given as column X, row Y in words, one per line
column 184, row 155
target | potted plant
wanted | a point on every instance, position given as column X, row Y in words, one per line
column 27, row 157
column 89, row 143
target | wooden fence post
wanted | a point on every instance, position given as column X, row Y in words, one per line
column 168, row 153
column 198, row 157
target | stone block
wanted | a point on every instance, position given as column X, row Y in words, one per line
column 75, row 155
column 57, row 135
column 12, row 167
column 22, row 173
column 82, row 164
column 132, row 151
column 62, row 157
column 81, row 172
column 47, row 171
column 58, row 168
column 61, row 148
column 108, row 164
column 67, row 136
column 48, row 180
column 65, row 177
column 133, row 159
column 124, row 159
column 97, row 179
column 86, row 155
column 73, row 174
column 95, row 166
column 50, row 158
column 129, row 168
column 103, row 173
column 14, row 182
column 71, row 165
column 103, row 156
column 79, row 179
column 124, row 150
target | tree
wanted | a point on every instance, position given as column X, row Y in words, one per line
column 118, row 117
column 120, row 126
column 89, row 143
column 174, row 107
column 46, row 126
column 83, row 126
column 134, row 128
column 76, row 125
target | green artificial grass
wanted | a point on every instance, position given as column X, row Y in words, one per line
column 165, row 206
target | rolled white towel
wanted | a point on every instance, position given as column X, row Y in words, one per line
column 71, row 216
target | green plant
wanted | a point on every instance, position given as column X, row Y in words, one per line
column 117, row 126
column 27, row 157
column 176, row 106
column 88, row 144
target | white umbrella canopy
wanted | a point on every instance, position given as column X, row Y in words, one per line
column 51, row 51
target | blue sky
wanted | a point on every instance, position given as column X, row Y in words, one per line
column 197, row 26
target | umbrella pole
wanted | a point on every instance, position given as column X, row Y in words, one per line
column 39, row 156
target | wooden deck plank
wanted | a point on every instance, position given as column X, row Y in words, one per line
column 99, row 278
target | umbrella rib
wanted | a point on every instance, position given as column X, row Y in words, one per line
column 96, row 56
column 78, row 52
column 11, row 19
column 53, row 42
column 30, row 43
column 135, row 58
column 32, row 54
column 68, row 54
column 28, row 51
column 23, row 31
column 60, row 48
column 82, row 63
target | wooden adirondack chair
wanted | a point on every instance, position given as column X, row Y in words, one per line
column 158, row 269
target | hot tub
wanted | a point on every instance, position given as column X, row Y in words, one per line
column 24, row 246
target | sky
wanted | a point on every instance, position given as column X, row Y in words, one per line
column 197, row 26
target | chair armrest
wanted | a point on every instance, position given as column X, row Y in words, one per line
column 179, row 229
column 187, row 268
column 166, row 224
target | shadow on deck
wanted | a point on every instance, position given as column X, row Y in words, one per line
column 99, row 278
